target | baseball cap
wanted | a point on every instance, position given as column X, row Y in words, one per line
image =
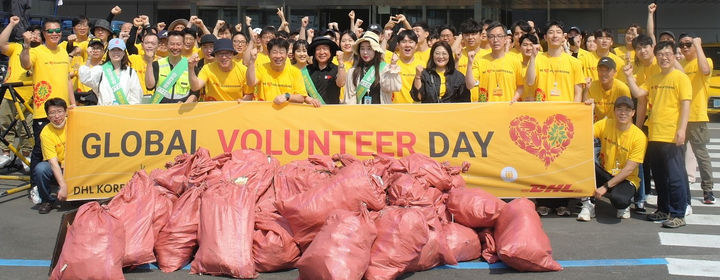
column 223, row 45
column 96, row 41
column 668, row 32
column 607, row 62
column 207, row 38
column 624, row 100
column 376, row 28
column 116, row 43
column 163, row 34
column 577, row 29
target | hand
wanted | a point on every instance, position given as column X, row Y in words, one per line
column 400, row 18
column 697, row 41
column 471, row 56
column 536, row 50
column 418, row 71
column 14, row 20
column 62, row 192
column 588, row 82
column 161, row 26
column 651, row 8
column 680, row 138
column 71, row 38
column 116, row 10
column 394, row 59
column 589, row 101
column 351, row 15
column 27, row 37
column 193, row 60
column 311, row 33
column 628, row 70
column 280, row 13
column 220, row 23
column 280, row 99
column 599, row 192
column 149, row 55
column 192, row 19
column 247, row 21
column 238, row 27
column 392, row 20
column 253, row 54
column 312, row 101
column 358, row 22
column 137, row 22
column 340, row 58
column 145, row 19
column 304, row 21
column 199, row 22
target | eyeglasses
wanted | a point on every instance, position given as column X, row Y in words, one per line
column 240, row 42
column 56, row 30
column 495, row 37
column 685, row 45
column 55, row 113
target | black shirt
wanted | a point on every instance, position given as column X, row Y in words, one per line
column 325, row 82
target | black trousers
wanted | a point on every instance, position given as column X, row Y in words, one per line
column 667, row 162
column 620, row 195
column 36, row 156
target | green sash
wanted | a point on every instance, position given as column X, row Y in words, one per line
column 310, row 86
column 163, row 89
column 114, row 81
column 367, row 80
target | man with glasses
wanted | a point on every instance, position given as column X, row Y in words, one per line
column 698, row 67
column 669, row 94
column 169, row 76
column 50, row 66
column 500, row 75
column 604, row 40
column 622, row 149
column 49, row 171
column 277, row 80
column 223, row 79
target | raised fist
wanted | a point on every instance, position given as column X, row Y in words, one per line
column 116, row 10
column 14, row 20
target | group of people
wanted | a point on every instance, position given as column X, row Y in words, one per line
column 649, row 97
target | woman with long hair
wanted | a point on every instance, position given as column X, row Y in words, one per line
column 114, row 81
column 371, row 81
column 440, row 82
column 300, row 57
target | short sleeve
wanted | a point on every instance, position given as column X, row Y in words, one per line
column 48, row 145
column 639, row 145
column 599, row 127
column 685, row 88
column 578, row 74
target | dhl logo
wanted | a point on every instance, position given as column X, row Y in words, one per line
column 536, row 188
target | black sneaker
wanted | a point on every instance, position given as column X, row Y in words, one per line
column 657, row 216
column 45, row 208
column 708, row 198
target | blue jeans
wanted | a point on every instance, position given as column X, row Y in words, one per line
column 45, row 180
column 640, row 196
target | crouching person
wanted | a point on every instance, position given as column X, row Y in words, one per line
column 622, row 149
column 49, row 173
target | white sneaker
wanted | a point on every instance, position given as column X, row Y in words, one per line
column 25, row 166
column 623, row 213
column 35, row 195
column 688, row 211
column 587, row 212
column 4, row 160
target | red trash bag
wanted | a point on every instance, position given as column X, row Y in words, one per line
column 202, row 167
column 455, row 173
column 463, row 241
column 273, row 245
column 227, row 219
column 94, row 246
column 384, row 166
column 306, row 212
column 302, row 175
column 163, row 208
column 134, row 205
column 402, row 233
column 489, row 250
column 177, row 241
column 422, row 166
column 473, row 207
column 341, row 250
column 174, row 178
column 521, row 241
column 252, row 168
column 436, row 251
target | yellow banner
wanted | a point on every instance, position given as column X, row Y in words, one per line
column 518, row 150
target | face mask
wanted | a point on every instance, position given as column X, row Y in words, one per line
column 59, row 126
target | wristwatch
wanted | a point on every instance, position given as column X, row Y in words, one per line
column 287, row 97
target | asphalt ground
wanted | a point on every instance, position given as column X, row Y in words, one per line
column 604, row 248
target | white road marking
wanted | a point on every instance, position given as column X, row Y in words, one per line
column 693, row 267
column 689, row 240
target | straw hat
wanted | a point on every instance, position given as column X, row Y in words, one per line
column 368, row 37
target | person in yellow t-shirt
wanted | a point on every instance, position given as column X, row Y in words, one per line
column 139, row 62
column 48, row 172
column 224, row 79
column 500, row 78
column 556, row 75
column 604, row 40
column 627, row 52
column 470, row 31
column 407, row 42
column 622, row 150
column 15, row 74
column 698, row 67
column 669, row 95
column 528, row 45
column 240, row 43
column 190, row 42
column 518, row 29
column 604, row 91
column 277, row 80
column 644, row 66
column 422, row 50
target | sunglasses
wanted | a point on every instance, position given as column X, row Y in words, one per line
column 56, row 30
column 685, row 45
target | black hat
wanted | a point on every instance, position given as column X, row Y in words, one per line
column 317, row 41
column 207, row 38
column 607, row 62
column 624, row 100
column 96, row 41
column 330, row 32
column 376, row 28
column 223, row 45
column 668, row 32
column 104, row 24
column 574, row 28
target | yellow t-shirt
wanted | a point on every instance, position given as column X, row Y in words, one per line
column 556, row 77
column 50, row 77
column 53, row 143
column 617, row 147
column 590, row 62
column 423, row 57
column 499, row 78
column 407, row 75
column 83, row 45
column 443, row 87
column 461, row 65
column 515, row 54
column 622, row 51
column 138, row 63
column 16, row 73
column 700, row 86
column 605, row 99
column 666, row 91
column 348, row 65
column 643, row 73
column 387, row 56
column 224, row 86
column 528, row 91
column 272, row 83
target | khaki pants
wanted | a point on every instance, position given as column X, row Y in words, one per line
column 7, row 115
column 698, row 136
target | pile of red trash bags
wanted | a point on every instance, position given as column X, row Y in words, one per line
column 241, row 213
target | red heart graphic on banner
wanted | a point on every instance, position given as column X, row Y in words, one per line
column 546, row 142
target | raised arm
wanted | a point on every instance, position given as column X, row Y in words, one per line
column 469, row 77
column 636, row 91
column 5, row 35
column 651, row 22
